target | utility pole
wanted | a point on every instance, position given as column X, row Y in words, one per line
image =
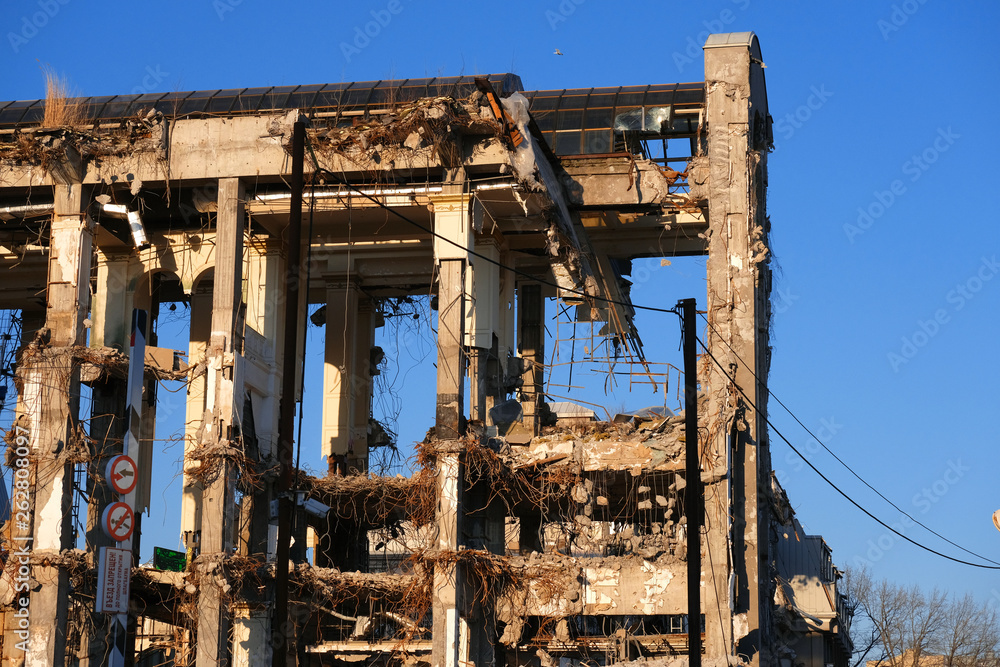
column 286, row 411
column 693, row 496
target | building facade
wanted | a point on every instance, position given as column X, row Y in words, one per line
column 512, row 544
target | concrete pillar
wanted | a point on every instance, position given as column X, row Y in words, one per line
column 220, row 426
column 531, row 327
column 111, row 315
column 506, row 343
column 147, row 298
column 264, row 312
column 112, row 308
column 201, row 330
column 482, row 326
column 446, row 603
column 451, row 221
column 47, row 426
column 251, row 636
column 262, row 333
column 347, row 395
column 451, row 357
column 346, row 377
column 364, row 332
column 738, row 310
column 12, row 653
column 507, row 321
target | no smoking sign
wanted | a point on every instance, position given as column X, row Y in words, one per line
column 118, row 521
column 121, row 474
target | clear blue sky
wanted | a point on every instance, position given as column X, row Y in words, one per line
column 881, row 107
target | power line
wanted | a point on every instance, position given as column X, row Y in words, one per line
column 635, row 306
column 489, row 260
column 835, row 487
column 841, row 461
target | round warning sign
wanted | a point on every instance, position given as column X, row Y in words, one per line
column 118, row 521
column 121, row 474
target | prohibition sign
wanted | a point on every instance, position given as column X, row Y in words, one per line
column 121, row 474
column 118, row 521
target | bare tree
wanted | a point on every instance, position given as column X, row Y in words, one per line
column 903, row 626
column 972, row 632
column 865, row 634
column 889, row 605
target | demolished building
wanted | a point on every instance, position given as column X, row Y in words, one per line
column 512, row 544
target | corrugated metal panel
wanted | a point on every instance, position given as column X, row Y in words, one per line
column 585, row 121
column 313, row 98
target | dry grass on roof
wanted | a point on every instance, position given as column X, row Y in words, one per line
column 61, row 110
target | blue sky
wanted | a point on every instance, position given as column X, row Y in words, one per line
column 880, row 189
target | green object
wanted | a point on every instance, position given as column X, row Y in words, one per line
column 166, row 559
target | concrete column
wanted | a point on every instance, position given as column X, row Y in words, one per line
column 451, row 221
column 531, row 326
column 506, row 342
column 738, row 296
column 482, row 325
column 347, row 395
column 251, row 636
column 451, row 357
column 47, row 427
column 147, row 298
column 112, row 308
column 265, row 311
column 346, row 378
column 111, row 315
column 262, row 383
column 224, row 405
column 507, row 322
column 362, row 378
column 201, row 330
column 13, row 649
column 446, row 603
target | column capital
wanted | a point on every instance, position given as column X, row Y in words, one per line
column 447, row 202
column 452, row 226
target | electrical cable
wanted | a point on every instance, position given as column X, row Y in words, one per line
column 841, row 461
column 828, row 481
column 674, row 311
column 475, row 254
column 305, row 338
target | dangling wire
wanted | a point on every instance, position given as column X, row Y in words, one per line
column 305, row 337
